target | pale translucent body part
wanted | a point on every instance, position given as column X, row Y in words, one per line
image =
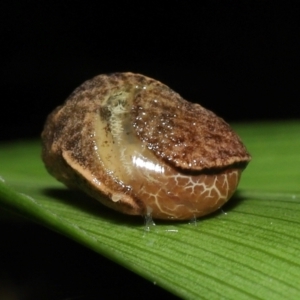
column 167, row 191
column 149, row 223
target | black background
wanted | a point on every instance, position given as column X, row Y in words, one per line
column 237, row 58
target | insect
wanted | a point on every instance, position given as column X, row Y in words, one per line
column 136, row 146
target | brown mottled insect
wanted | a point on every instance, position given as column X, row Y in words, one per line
column 135, row 145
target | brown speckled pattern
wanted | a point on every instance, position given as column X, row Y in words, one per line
column 68, row 148
column 183, row 135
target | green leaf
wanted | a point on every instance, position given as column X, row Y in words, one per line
column 250, row 250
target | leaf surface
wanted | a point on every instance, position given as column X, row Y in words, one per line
column 250, row 250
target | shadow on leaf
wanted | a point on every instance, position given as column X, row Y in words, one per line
column 236, row 200
column 82, row 202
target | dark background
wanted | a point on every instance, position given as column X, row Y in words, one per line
column 234, row 57
column 237, row 58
